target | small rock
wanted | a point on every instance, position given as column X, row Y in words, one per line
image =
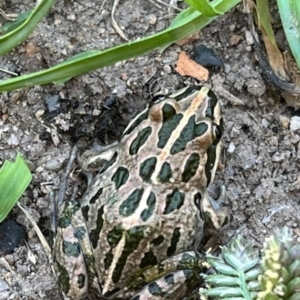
column 54, row 136
column 227, row 68
column 54, row 164
column 295, row 123
column 284, row 121
column 3, row 286
column 71, row 17
column 273, row 141
column 96, row 112
column 277, row 157
column 13, row 141
column 249, row 38
column 265, row 123
column 39, row 113
column 52, row 103
column 235, row 133
column 255, row 87
column 206, row 57
column 235, row 40
column 248, row 48
column 231, row 148
column 57, row 22
column 9, row 259
column 12, row 235
column 152, row 19
column 295, row 139
column 232, row 27
column 167, row 69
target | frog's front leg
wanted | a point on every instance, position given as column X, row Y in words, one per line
column 72, row 253
column 216, row 215
column 176, row 277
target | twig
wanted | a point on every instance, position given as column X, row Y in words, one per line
column 114, row 23
column 8, row 72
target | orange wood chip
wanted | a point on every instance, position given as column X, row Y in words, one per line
column 188, row 67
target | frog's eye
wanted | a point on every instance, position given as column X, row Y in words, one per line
column 217, row 133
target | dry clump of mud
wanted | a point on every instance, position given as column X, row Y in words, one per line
column 259, row 163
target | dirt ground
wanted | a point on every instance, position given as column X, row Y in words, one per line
column 260, row 160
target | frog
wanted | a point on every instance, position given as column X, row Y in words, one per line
column 136, row 231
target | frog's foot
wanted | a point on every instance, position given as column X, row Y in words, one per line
column 95, row 159
column 171, row 286
column 217, row 198
column 180, row 275
column 218, row 216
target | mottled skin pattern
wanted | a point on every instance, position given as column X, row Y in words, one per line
column 148, row 206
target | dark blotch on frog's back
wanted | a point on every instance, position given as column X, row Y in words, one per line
column 120, row 177
column 140, row 140
column 148, row 212
column 147, row 168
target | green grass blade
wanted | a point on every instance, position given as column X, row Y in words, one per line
column 203, row 6
column 265, row 19
column 14, row 179
column 290, row 17
column 11, row 25
column 18, row 35
column 91, row 60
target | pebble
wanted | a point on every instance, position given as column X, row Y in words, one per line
column 13, row 141
column 231, row 148
column 249, row 38
column 152, row 19
column 284, row 121
column 3, row 286
column 277, row 157
column 295, row 123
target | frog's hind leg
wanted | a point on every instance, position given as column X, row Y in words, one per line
column 180, row 276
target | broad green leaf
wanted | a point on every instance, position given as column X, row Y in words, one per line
column 290, row 17
column 14, row 179
column 190, row 22
column 18, row 35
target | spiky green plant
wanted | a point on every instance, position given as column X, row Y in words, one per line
column 280, row 276
column 237, row 269
column 240, row 274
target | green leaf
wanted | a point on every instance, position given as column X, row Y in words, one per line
column 186, row 23
column 265, row 19
column 14, row 179
column 18, row 35
column 203, row 6
column 289, row 11
column 11, row 25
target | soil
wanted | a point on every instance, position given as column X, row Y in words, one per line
column 260, row 161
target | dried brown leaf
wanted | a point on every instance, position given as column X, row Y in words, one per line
column 275, row 57
column 187, row 67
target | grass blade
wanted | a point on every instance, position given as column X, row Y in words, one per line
column 203, row 6
column 18, row 35
column 11, row 25
column 290, row 17
column 189, row 22
column 264, row 24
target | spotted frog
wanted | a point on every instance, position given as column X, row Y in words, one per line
column 136, row 231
